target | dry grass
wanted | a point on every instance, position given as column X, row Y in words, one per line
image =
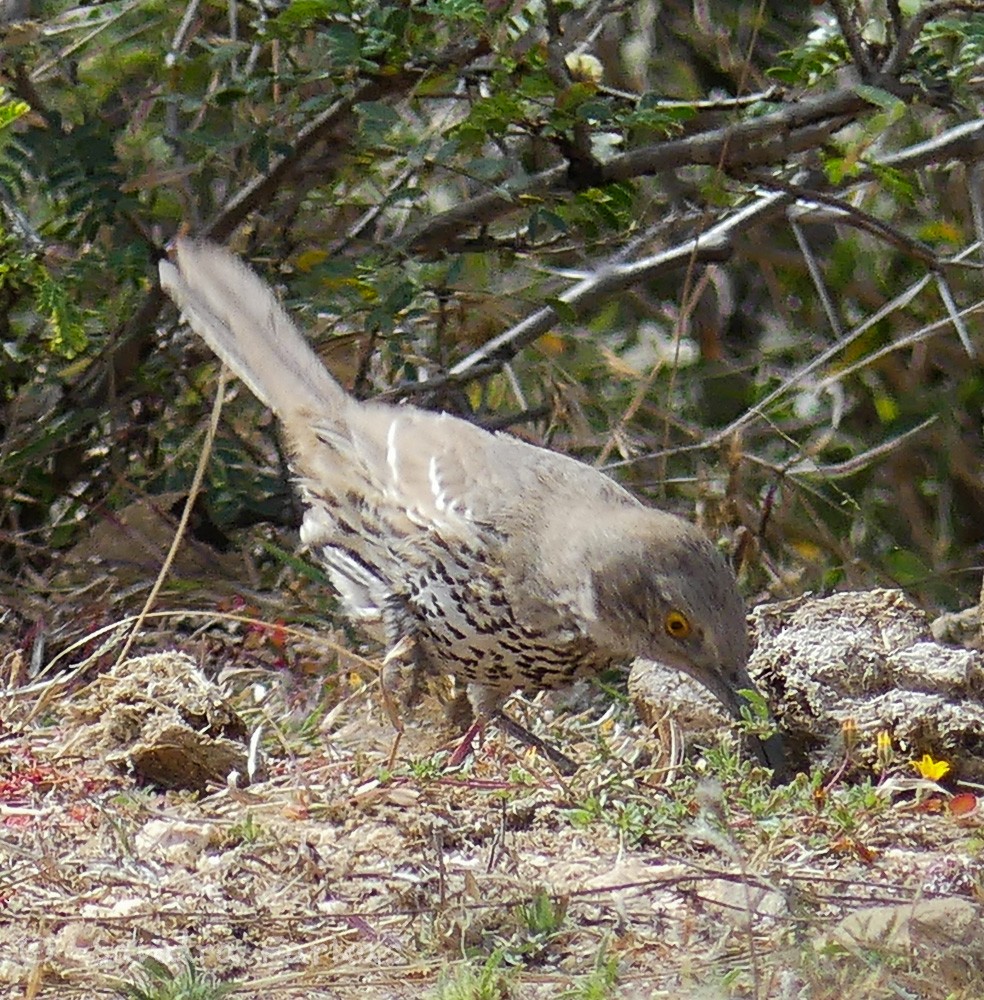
column 336, row 876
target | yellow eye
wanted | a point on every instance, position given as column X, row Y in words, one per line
column 677, row 624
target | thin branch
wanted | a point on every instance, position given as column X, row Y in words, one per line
column 434, row 234
column 713, row 245
column 851, row 35
column 854, row 216
column 910, row 340
column 841, row 470
column 177, row 43
column 179, row 533
column 816, row 274
column 954, row 313
column 756, row 142
column 38, row 73
column 759, row 410
column 772, row 95
column 963, row 142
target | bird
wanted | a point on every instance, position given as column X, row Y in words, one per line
column 470, row 552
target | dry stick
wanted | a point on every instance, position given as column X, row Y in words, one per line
column 806, row 466
column 816, row 274
column 178, row 41
column 196, row 485
column 909, row 340
column 951, row 307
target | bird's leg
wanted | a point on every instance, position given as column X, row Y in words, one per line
column 404, row 652
column 512, row 728
column 486, row 704
column 390, row 675
column 464, row 746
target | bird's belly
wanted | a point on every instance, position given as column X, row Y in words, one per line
column 470, row 630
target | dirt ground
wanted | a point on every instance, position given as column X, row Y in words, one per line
column 654, row 871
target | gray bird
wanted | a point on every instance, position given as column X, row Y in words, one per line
column 476, row 554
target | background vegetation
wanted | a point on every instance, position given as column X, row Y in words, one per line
column 728, row 251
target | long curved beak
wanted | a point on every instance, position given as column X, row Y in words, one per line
column 772, row 751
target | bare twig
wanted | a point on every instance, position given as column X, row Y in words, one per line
column 851, row 35
column 954, row 313
column 841, row 470
column 846, row 212
column 816, row 275
column 910, row 340
column 963, row 142
column 193, row 491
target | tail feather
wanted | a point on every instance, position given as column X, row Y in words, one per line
column 227, row 305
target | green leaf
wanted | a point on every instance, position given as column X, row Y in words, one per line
column 486, row 168
column 471, row 11
column 882, row 99
column 11, row 109
column 376, row 120
column 67, row 333
column 303, row 14
column 564, row 310
column 906, row 567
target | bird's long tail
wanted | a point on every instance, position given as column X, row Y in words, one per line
column 239, row 317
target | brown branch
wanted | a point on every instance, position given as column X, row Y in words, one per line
column 768, row 139
column 855, row 43
column 756, row 142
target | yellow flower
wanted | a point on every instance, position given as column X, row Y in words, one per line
column 931, row 769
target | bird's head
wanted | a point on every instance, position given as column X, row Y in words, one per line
column 663, row 592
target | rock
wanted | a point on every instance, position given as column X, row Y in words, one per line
column 158, row 717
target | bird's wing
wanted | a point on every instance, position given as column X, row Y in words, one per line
column 449, row 469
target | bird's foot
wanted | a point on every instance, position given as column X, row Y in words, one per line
column 518, row 732
column 512, row 728
column 464, row 747
column 404, row 657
